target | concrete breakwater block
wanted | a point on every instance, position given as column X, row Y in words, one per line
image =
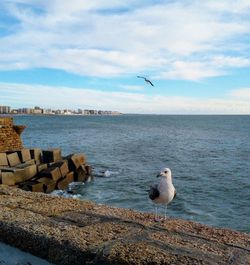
column 40, row 167
column 48, row 184
column 51, row 155
column 24, row 169
column 36, row 153
column 13, row 159
column 53, row 173
column 34, row 186
column 63, row 183
column 70, row 176
column 3, row 159
column 13, row 176
column 63, row 167
column 75, row 161
column 80, row 174
column 24, row 155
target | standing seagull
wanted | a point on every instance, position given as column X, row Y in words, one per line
column 146, row 80
column 163, row 191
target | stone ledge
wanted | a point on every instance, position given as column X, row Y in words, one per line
column 70, row 231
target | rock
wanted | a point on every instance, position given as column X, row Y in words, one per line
column 13, row 176
column 24, row 155
column 75, row 161
column 3, row 159
column 63, row 167
column 36, row 154
column 51, row 155
column 53, row 173
column 13, row 159
column 69, row 231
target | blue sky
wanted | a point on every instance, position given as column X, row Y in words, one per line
column 87, row 54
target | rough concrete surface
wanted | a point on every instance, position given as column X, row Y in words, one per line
column 70, row 231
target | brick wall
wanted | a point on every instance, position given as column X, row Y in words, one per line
column 10, row 135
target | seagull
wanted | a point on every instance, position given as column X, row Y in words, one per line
column 163, row 191
column 146, row 80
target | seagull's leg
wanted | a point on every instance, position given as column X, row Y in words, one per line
column 156, row 212
column 165, row 212
column 157, row 216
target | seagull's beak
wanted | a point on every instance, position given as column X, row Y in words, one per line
column 158, row 175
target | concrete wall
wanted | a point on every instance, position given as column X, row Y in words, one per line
column 10, row 135
column 69, row 231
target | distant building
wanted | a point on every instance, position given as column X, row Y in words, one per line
column 47, row 111
column 25, row 111
column 59, row 112
column 86, row 112
column 4, row 109
column 37, row 110
column 14, row 111
column 67, row 112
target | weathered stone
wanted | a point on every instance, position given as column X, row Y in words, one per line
column 63, row 184
column 13, row 159
column 51, row 155
column 88, row 169
column 3, row 159
column 75, row 161
column 36, row 154
column 10, row 135
column 70, row 176
column 80, row 174
column 70, row 231
column 30, row 170
column 40, row 167
column 21, row 173
column 24, row 155
column 33, row 186
column 8, row 178
column 49, row 184
column 53, row 173
column 30, row 162
column 63, row 167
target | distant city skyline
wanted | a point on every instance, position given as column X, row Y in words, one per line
column 64, row 111
column 78, row 54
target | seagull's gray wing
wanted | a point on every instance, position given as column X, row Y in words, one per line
column 175, row 193
column 154, row 192
column 149, row 82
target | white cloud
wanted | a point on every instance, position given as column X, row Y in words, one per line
column 91, row 38
column 207, row 67
column 190, row 71
column 132, row 87
column 241, row 93
column 18, row 95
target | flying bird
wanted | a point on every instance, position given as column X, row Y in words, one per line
column 147, row 80
column 163, row 191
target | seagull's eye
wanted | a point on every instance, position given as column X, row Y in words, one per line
column 165, row 171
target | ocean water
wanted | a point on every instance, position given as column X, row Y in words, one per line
column 209, row 157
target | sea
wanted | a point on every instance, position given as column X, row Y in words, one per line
column 209, row 157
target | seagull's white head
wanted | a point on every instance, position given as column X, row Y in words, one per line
column 166, row 172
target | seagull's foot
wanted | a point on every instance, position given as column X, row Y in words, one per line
column 158, row 219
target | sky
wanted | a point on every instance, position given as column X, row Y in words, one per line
column 88, row 54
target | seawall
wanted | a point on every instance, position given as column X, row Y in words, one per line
column 70, row 231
